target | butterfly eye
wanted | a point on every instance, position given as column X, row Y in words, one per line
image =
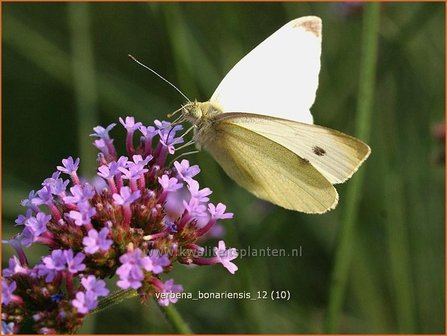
column 196, row 112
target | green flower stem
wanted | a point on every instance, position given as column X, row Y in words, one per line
column 176, row 320
column 114, row 299
column 345, row 243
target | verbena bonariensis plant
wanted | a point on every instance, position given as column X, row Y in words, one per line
column 137, row 219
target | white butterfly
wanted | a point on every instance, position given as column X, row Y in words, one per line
column 258, row 126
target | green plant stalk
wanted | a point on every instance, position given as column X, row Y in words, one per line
column 170, row 312
column 399, row 252
column 346, row 236
column 176, row 320
column 84, row 82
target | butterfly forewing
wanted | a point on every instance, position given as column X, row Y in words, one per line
column 279, row 77
column 334, row 154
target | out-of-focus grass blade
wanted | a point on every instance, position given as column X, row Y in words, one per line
column 194, row 70
column 113, row 90
column 346, row 237
column 400, row 264
column 84, row 79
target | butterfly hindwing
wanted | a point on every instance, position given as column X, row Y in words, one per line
column 267, row 169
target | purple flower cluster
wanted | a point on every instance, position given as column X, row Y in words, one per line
column 88, row 299
column 138, row 218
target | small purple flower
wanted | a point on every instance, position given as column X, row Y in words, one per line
column 27, row 237
column 195, row 208
column 45, row 196
column 84, row 302
column 158, row 262
column 148, row 131
column 8, row 289
column 43, row 271
column 225, row 256
column 69, row 166
column 130, row 124
column 164, row 126
column 16, row 244
column 167, row 135
column 95, row 286
column 138, row 159
column 80, row 193
column 122, row 162
column 7, row 328
column 200, row 195
column 84, row 215
column 185, row 171
column 14, row 267
column 133, row 171
column 170, row 288
column 38, row 224
column 74, row 263
column 105, row 172
column 126, row 197
column 170, row 144
column 28, row 202
column 97, row 241
column 169, row 184
column 218, row 212
column 131, row 270
column 101, row 132
column 56, row 184
column 102, row 146
column 55, row 261
column 21, row 219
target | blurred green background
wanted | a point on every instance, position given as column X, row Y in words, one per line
column 65, row 70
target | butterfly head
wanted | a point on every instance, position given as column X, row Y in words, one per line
column 192, row 112
column 197, row 112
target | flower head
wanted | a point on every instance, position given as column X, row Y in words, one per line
column 129, row 223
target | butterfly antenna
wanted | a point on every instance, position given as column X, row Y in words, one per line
column 160, row 76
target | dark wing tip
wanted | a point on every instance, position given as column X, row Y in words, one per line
column 310, row 24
